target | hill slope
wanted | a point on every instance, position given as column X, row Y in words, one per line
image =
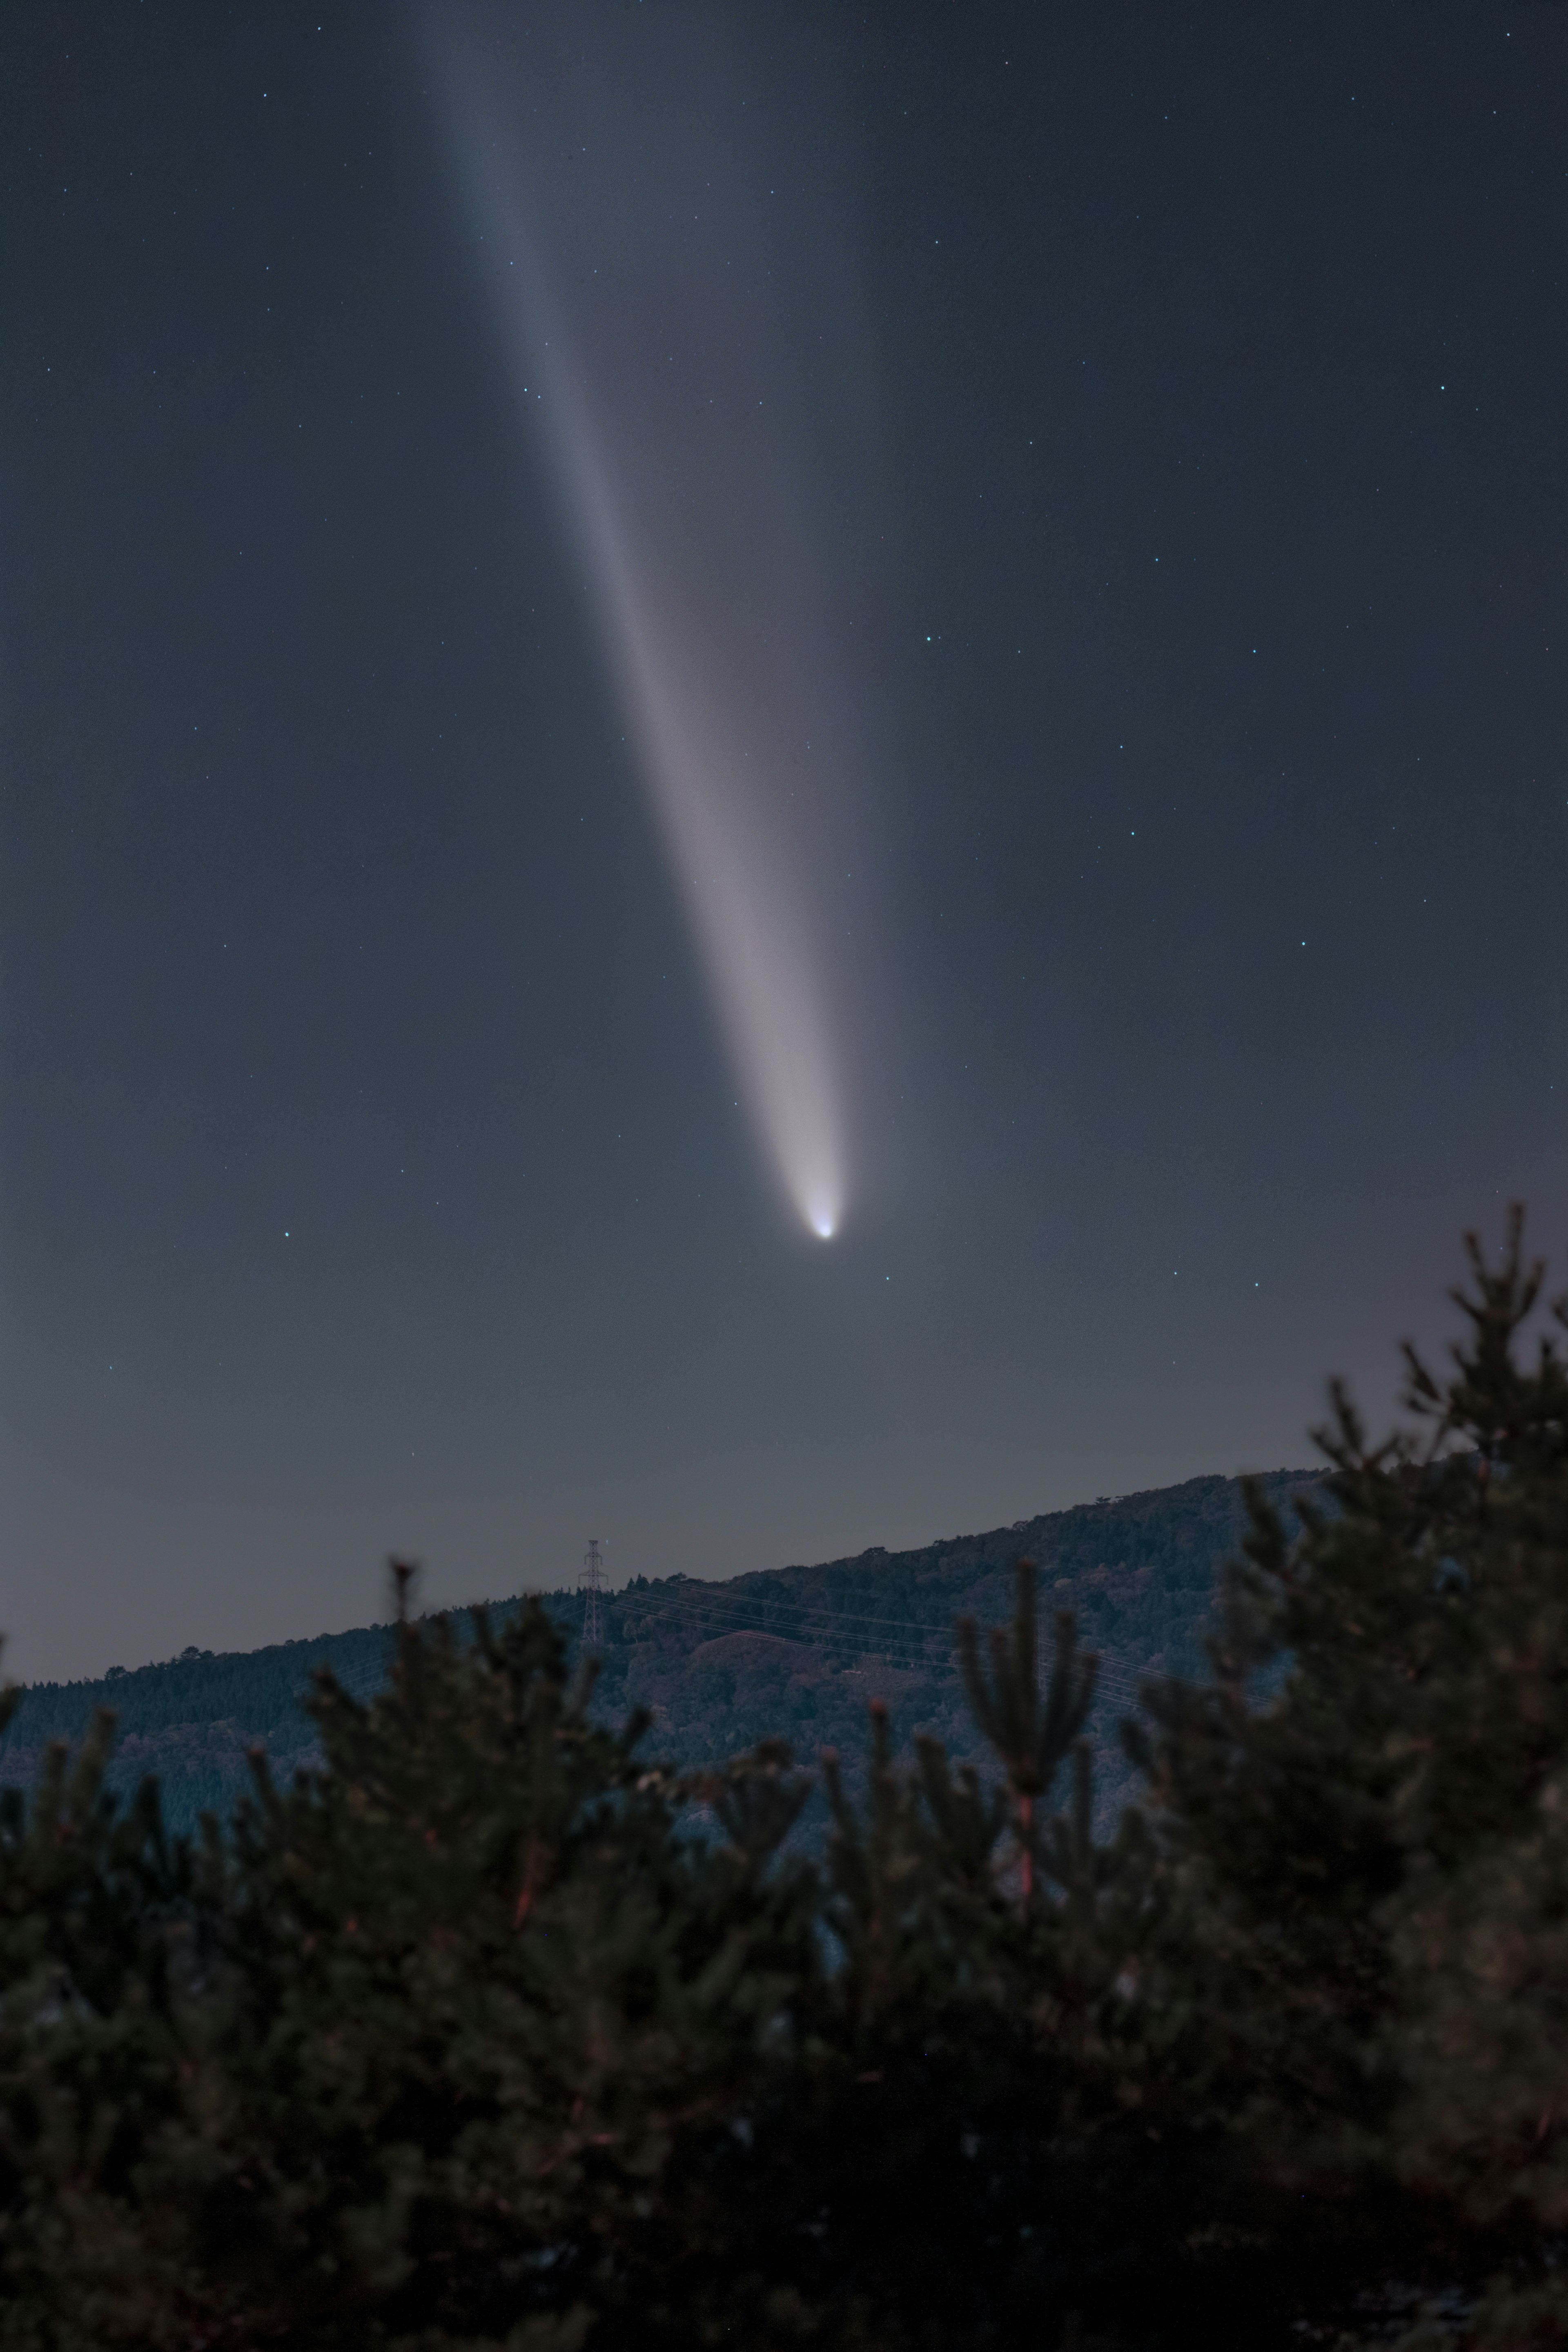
column 792, row 1651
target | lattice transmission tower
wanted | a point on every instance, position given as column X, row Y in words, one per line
column 590, row 1584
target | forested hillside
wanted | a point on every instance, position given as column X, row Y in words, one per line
column 795, row 1653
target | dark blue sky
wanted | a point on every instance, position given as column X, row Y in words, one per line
column 1175, row 436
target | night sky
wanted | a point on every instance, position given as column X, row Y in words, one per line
column 624, row 633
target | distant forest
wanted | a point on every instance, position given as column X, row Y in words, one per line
column 797, row 1652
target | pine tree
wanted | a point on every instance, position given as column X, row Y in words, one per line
column 1359, row 1820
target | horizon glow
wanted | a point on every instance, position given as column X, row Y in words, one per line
column 692, row 538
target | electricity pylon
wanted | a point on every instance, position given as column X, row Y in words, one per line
column 590, row 1584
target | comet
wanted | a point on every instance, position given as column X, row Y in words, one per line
column 636, row 342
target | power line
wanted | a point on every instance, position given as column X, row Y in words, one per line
column 715, row 1598
column 728, row 1614
column 749, row 1605
column 837, row 1624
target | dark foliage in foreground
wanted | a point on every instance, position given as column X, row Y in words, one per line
column 492, row 2032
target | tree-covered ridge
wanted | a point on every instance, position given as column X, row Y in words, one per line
column 798, row 1651
column 794, row 1652
column 193, row 1719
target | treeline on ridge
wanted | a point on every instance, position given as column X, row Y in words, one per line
column 719, row 1665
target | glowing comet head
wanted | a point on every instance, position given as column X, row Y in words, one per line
column 817, row 1191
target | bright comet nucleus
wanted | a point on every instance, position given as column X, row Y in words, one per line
column 645, row 349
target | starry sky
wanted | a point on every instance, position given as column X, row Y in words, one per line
column 1037, row 611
